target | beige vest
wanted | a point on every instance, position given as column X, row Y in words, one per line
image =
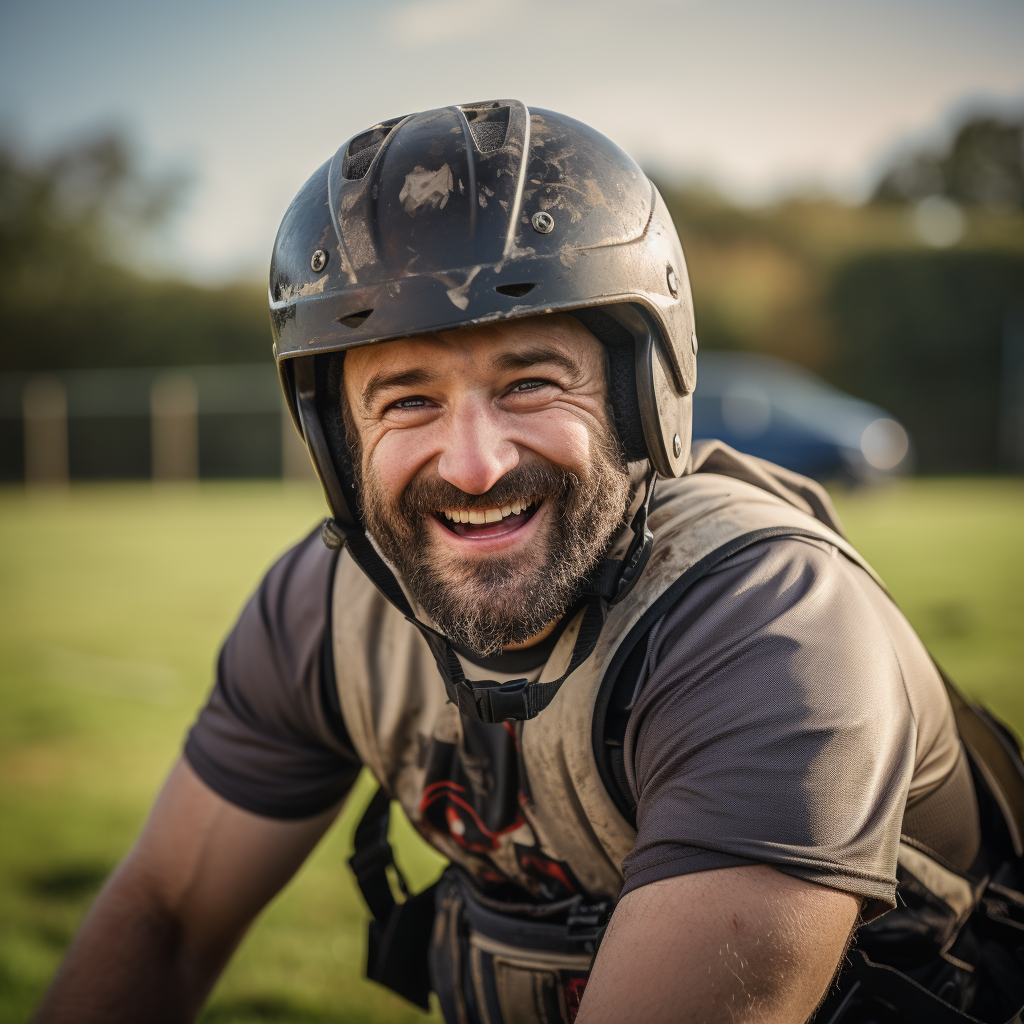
column 394, row 701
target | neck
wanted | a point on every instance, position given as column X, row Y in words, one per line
column 536, row 638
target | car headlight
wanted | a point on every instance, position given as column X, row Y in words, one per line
column 884, row 444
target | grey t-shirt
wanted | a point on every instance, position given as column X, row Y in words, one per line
column 787, row 714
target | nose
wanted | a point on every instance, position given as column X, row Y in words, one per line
column 477, row 453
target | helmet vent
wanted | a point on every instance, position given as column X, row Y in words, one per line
column 488, row 125
column 363, row 148
column 516, row 291
column 355, row 320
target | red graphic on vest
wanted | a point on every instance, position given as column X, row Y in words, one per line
column 554, row 878
column 471, row 789
column 445, row 806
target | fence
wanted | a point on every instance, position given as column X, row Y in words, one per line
column 180, row 423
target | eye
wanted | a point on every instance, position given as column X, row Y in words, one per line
column 528, row 385
column 409, row 403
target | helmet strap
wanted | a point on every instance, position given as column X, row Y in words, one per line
column 486, row 700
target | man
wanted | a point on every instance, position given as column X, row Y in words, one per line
column 677, row 723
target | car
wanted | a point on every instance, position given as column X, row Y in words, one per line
column 781, row 412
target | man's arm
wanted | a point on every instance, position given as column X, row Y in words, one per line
column 166, row 922
column 736, row 944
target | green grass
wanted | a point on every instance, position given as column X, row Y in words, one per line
column 951, row 552
column 113, row 601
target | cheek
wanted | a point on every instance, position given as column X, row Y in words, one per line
column 396, row 457
column 560, row 437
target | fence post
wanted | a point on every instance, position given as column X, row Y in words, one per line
column 1011, row 425
column 295, row 463
column 44, row 406
column 174, row 411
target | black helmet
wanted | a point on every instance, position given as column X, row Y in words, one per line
column 474, row 213
column 466, row 215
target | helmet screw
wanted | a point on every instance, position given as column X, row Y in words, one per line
column 543, row 222
column 673, row 283
column 677, row 446
column 693, row 342
column 319, row 260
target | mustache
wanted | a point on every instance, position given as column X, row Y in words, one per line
column 432, row 494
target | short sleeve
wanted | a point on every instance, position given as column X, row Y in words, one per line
column 271, row 738
column 773, row 726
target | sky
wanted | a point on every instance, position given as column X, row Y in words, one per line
column 759, row 98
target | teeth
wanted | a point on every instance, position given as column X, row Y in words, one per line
column 480, row 517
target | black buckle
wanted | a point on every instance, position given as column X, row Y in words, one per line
column 492, row 702
column 368, row 860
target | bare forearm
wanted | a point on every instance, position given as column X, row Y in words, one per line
column 128, row 964
column 164, row 926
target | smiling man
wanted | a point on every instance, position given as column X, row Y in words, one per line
column 667, row 726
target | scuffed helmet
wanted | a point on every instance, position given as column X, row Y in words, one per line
column 470, row 214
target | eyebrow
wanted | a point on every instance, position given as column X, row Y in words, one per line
column 383, row 381
column 528, row 358
column 507, row 362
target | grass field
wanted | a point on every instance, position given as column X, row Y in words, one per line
column 113, row 600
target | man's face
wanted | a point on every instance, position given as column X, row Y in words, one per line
column 488, row 471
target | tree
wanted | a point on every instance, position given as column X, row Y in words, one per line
column 983, row 166
column 72, row 227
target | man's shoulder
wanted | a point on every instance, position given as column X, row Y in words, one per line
column 269, row 739
column 795, row 608
column 300, row 578
column 281, row 629
column 765, row 579
column 791, row 630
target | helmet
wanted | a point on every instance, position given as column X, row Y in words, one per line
column 470, row 214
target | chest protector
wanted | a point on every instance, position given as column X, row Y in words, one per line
column 521, row 809
column 558, row 831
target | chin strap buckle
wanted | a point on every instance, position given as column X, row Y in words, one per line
column 492, row 702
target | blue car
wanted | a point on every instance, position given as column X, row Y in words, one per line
column 781, row 412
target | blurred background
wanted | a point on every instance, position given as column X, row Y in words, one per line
column 848, row 183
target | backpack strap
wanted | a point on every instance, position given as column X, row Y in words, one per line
column 399, row 932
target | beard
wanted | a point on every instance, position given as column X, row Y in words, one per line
column 485, row 604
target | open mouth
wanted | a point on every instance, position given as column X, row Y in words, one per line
column 490, row 522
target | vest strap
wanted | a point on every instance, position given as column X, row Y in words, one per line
column 399, row 933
